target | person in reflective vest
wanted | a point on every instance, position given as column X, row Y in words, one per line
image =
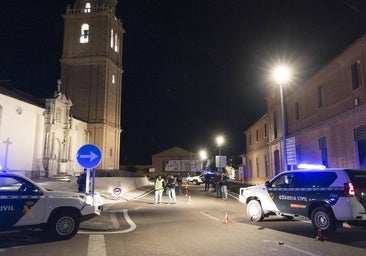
column 159, row 188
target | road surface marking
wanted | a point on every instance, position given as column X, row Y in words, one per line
column 127, row 218
column 207, row 215
column 96, row 246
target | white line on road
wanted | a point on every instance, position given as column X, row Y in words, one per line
column 96, row 246
column 128, row 219
column 207, row 215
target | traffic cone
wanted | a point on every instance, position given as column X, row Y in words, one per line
column 320, row 235
column 227, row 219
column 189, row 200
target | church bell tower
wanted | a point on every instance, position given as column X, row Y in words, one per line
column 91, row 72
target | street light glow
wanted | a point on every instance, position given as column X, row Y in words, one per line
column 203, row 154
column 219, row 140
column 281, row 74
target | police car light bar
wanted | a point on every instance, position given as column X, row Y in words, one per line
column 312, row 166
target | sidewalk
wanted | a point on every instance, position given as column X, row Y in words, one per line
column 106, row 221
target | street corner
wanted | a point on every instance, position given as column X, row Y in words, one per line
column 107, row 221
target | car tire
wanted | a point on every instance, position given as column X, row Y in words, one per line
column 195, row 182
column 63, row 225
column 322, row 218
column 255, row 211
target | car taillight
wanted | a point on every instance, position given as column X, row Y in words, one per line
column 349, row 190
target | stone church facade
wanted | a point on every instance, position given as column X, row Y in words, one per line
column 43, row 137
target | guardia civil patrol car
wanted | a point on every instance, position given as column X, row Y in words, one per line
column 25, row 205
column 327, row 197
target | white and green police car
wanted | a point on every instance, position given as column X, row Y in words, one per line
column 25, row 205
column 327, row 197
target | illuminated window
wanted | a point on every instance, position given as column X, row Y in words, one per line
column 115, row 42
column 84, row 37
column 112, row 38
column 87, row 7
column 113, row 79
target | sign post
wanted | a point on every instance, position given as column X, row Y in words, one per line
column 291, row 151
column 89, row 156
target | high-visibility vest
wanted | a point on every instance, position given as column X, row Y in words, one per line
column 159, row 184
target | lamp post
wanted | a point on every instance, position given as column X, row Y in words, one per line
column 281, row 75
column 219, row 142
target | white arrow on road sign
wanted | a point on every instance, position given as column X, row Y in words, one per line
column 91, row 156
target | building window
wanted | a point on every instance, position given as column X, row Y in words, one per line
column 112, row 38
column 113, row 79
column 250, row 139
column 87, row 7
column 256, row 135
column 84, row 37
column 265, row 130
column 324, row 151
column 275, row 129
column 257, row 163
column 320, row 96
column 250, row 173
column 115, row 42
column 266, row 162
column 297, row 110
column 356, row 75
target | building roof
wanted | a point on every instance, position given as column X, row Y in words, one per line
column 8, row 90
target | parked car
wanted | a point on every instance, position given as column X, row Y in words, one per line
column 196, row 180
column 26, row 205
column 327, row 197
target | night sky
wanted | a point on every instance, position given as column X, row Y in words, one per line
column 193, row 69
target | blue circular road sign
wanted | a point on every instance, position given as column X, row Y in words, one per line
column 89, row 156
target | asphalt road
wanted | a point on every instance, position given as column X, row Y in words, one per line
column 199, row 224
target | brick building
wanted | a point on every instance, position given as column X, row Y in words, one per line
column 326, row 115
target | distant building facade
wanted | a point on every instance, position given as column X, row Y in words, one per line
column 325, row 115
column 175, row 160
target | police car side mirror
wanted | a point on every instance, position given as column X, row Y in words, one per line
column 36, row 191
column 267, row 184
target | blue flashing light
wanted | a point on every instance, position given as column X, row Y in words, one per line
column 312, row 166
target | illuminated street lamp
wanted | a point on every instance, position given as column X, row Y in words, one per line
column 219, row 142
column 281, row 76
column 203, row 157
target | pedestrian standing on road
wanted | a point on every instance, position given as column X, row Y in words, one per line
column 224, row 178
column 217, row 180
column 180, row 182
column 82, row 182
column 159, row 188
column 207, row 181
column 171, row 189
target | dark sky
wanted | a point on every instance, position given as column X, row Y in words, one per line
column 193, row 69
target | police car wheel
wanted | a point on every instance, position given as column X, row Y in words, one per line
column 255, row 211
column 64, row 225
column 195, row 182
column 322, row 218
